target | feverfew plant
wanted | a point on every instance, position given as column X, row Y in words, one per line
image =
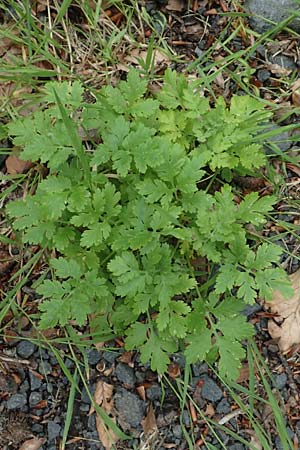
column 128, row 206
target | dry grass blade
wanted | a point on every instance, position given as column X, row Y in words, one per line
column 103, row 398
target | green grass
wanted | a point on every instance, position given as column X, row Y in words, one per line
column 59, row 48
column 251, row 398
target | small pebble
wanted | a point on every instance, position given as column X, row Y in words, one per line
column 210, row 390
column 25, row 349
column 45, row 368
column 223, row 407
column 186, row 418
column 199, row 369
column 154, row 392
column 263, row 75
column 125, row 374
column 280, row 380
column 237, row 446
column 110, row 356
column 34, row 398
column 177, row 431
column 93, row 356
column 249, row 310
column 35, row 383
column 24, row 387
column 53, row 430
column 131, row 409
column 37, row 428
column 17, row 401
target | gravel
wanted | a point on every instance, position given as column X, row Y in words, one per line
column 45, row 368
column 130, row 408
column 25, row 349
column 281, row 139
column 93, row 356
column 53, row 429
column 274, row 10
column 17, row 401
column 125, row 374
column 35, row 398
column 263, row 75
column 35, row 382
column 250, row 310
column 210, row 390
column 154, row 392
column 280, row 380
column 223, row 407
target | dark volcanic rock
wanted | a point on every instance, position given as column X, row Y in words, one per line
column 125, row 374
column 53, row 430
column 17, row 401
column 25, row 349
column 210, row 390
column 131, row 409
column 274, row 10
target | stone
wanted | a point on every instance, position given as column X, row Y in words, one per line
column 280, row 380
column 37, row 428
column 282, row 139
column 223, row 406
column 34, row 398
column 85, row 398
column 93, row 356
column 110, row 356
column 17, row 401
column 154, row 392
column 45, row 368
column 237, row 446
column 249, row 310
column 125, row 374
column 210, row 390
column 283, row 61
column 25, row 349
column 24, row 386
column 53, row 429
column 199, row 369
column 274, row 10
column 263, row 75
column 130, row 408
column 35, row 383
column 177, row 431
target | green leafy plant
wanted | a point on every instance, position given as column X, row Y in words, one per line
column 137, row 189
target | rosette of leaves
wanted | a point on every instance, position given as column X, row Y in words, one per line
column 127, row 207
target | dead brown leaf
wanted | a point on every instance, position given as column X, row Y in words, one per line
column 210, row 410
column 16, row 165
column 296, row 93
column 103, row 398
column 287, row 311
column 255, row 442
column 276, row 69
column 32, row 444
column 149, row 422
column 159, row 57
column 175, row 5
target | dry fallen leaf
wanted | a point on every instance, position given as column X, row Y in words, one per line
column 175, row 5
column 103, row 398
column 296, row 93
column 159, row 57
column 32, row 444
column 149, row 422
column 16, row 165
column 287, row 311
column 255, row 442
